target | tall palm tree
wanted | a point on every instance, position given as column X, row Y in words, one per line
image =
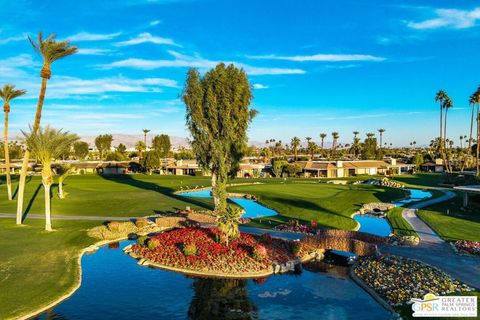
column 335, row 137
column 440, row 97
column 50, row 50
column 145, row 131
column 448, row 103
column 472, row 102
column 476, row 100
column 461, row 142
column 295, row 144
column 322, row 138
column 46, row 144
column 381, row 136
column 8, row 93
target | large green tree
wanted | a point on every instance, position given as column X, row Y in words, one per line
column 161, row 145
column 103, row 143
column 80, row 150
column 218, row 114
column 50, row 50
column 47, row 144
column 8, row 93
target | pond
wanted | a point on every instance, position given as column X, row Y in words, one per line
column 253, row 209
column 379, row 226
column 115, row 287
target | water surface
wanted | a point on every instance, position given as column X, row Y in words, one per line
column 115, row 287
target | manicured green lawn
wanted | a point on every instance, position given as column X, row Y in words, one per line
column 37, row 267
column 126, row 195
column 331, row 205
column 452, row 222
column 420, row 180
column 399, row 225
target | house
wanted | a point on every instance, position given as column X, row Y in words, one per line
column 342, row 169
column 251, row 170
column 14, row 168
column 184, row 167
column 437, row 166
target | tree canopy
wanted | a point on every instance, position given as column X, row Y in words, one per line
column 218, row 114
column 103, row 143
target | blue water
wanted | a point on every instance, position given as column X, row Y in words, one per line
column 380, row 226
column 415, row 195
column 115, row 287
column 252, row 208
column 373, row 224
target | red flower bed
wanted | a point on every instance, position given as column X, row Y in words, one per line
column 471, row 247
column 245, row 254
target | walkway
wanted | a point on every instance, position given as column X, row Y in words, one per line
column 433, row 250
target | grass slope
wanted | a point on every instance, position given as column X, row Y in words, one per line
column 331, row 205
column 126, row 195
column 399, row 225
column 37, row 267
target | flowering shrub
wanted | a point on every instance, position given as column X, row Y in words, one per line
column 296, row 228
column 244, row 220
column 141, row 223
column 190, row 249
column 471, row 247
column 399, row 279
column 142, row 239
column 152, row 243
column 113, row 226
column 266, row 238
column 212, row 255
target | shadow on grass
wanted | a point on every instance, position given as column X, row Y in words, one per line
column 30, row 203
column 168, row 192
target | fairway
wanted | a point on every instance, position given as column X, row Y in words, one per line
column 115, row 195
column 331, row 205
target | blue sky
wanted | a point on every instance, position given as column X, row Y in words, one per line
column 317, row 66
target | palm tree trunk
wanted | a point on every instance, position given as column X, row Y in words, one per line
column 48, row 218
column 467, row 155
column 445, row 158
column 23, row 173
column 440, row 142
column 478, row 136
column 7, row 158
column 60, row 189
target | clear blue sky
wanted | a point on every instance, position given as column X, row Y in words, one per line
column 317, row 66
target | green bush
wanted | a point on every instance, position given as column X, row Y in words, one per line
column 152, row 243
column 142, row 239
column 190, row 249
column 295, row 247
column 259, row 252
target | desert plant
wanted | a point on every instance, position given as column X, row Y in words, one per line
column 113, row 226
column 141, row 223
column 228, row 222
column 142, row 240
column 190, row 249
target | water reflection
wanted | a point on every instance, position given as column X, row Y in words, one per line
column 221, row 299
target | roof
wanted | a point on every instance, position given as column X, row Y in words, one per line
column 365, row 164
column 473, row 188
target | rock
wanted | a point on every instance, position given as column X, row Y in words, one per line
column 127, row 248
column 132, row 236
column 143, row 262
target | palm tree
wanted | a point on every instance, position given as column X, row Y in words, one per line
column 447, row 102
column 295, row 144
column 322, row 138
column 381, row 136
column 47, row 144
column 140, row 147
column 440, row 97
column 51, row 50
column 145, row 131
column 228, row 222
column 64, row 171
column 471, row 102
column 335, row 137
column 476, row 100
column 8, row 93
